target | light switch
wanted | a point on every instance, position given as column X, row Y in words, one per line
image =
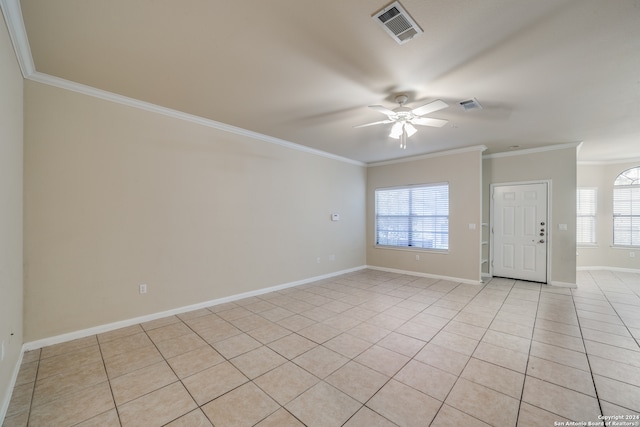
column 472, row 226
column 562, row 227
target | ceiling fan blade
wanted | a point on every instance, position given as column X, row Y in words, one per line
column 383, row 110
column 381, row 122
column 430, row 108
column 426, row 121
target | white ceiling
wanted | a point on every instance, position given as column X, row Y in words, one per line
column 546, row 71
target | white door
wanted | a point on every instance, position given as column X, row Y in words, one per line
column 520, row 231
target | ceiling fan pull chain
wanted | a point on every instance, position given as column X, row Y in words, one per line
column 403, row 138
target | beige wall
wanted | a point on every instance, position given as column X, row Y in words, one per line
column 11, row 137
column 463, row 172
column 603, row 254
column 559, row 167
column 116, row 196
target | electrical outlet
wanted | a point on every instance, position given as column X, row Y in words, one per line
column 318, row 260
column 143, row 288
column 632, row 254
column 417, row 257
column 332, row 257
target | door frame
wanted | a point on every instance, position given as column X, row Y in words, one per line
column 549, row 235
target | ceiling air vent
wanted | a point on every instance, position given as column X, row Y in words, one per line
column 397, row 22
column 470, row 104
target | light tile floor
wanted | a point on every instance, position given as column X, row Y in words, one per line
column 364, row 349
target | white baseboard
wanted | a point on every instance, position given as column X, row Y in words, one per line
column 33, row 345
column 618, row 269
column 4, row 406
column 432, row 276
column 562, row 284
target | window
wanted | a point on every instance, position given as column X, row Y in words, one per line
column 415, row 217
column 626, row 208
column 587, row 201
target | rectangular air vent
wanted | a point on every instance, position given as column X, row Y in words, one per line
column 470, row 104
column 397, row 23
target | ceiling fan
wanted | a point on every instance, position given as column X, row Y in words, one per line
column 403, row 118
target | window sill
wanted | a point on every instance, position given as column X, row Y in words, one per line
column 413, row 249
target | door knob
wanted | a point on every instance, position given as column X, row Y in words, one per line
column 541, row 241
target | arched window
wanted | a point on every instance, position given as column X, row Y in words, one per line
column 626, row 208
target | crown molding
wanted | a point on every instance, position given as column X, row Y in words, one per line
column 147, row 106
column 15, row 27
column 430, row 155
column 18, row 34
column 577, row 145
column 526, row 151
column 608, row 162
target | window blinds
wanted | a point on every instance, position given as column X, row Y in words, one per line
column 626, row 215
column 586, row 209
column 416, row 216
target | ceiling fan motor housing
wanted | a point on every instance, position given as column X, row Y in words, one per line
column 402, row 99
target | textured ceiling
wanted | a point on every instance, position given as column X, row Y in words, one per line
column 546, row 71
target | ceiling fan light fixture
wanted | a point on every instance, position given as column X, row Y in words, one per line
column 396, row 130
column 402, row 131
column 410, row 129
column 404, row 118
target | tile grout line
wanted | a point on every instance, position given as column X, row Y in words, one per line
column 104, row 365
column 413, row 357
column 588, row 360
column 198, row 406
column 352, row 359
column 561, row 363
column 270, row 370
column 515, row 281
column 262, row 345
column 526, row 368
column 471, row 356
column 386, row 288
column 616, row 311
column 364, row 404
column 593, row 381
column 410, row 358
column 33, row 391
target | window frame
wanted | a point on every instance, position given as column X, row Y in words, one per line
column 594, row 216
column 439, row 248
column 634, row 202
